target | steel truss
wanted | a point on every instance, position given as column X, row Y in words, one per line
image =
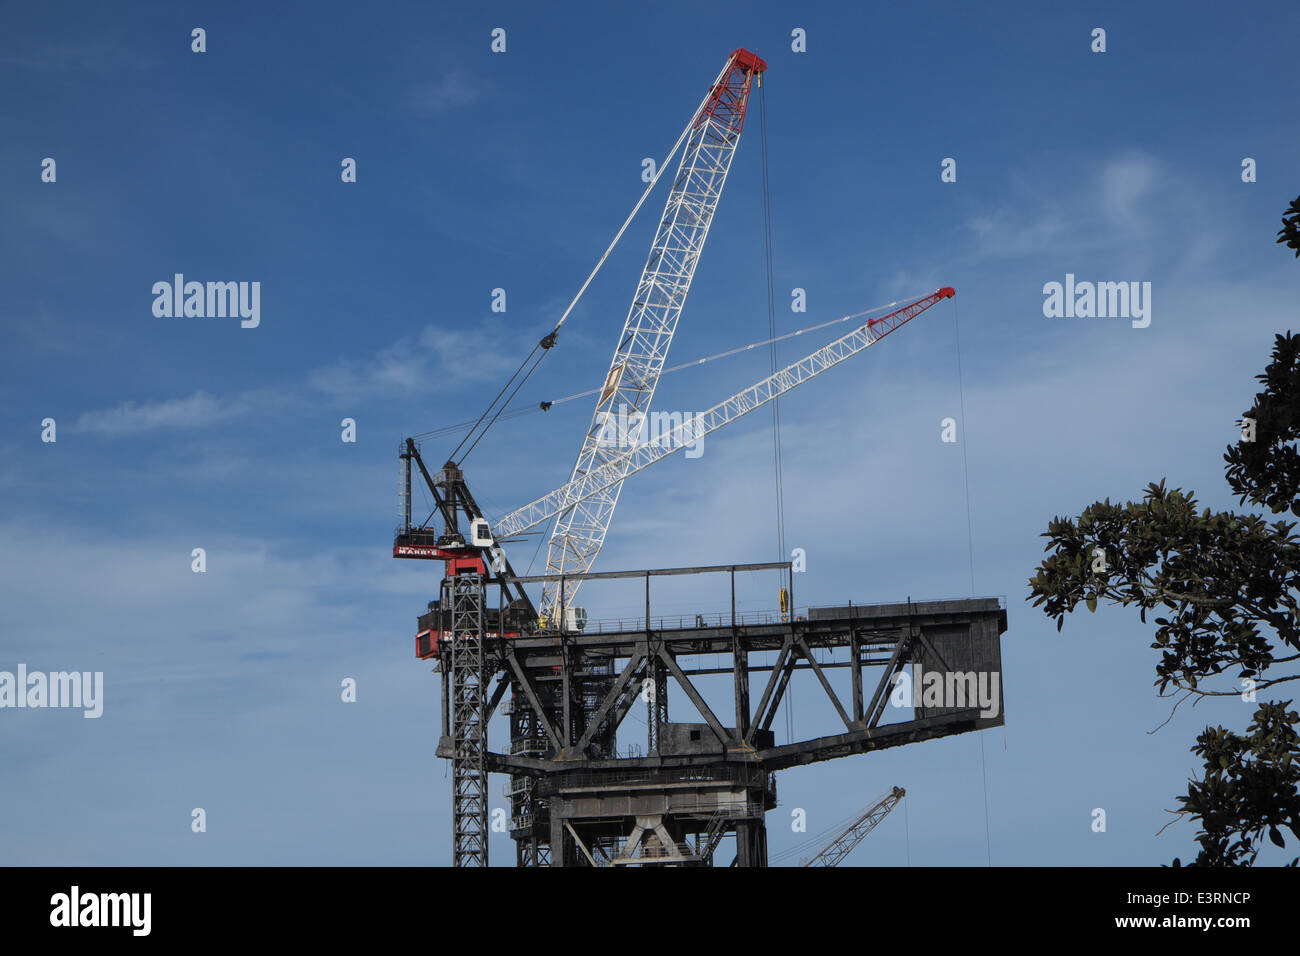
column 463, row 594
column 674, row 806
column 587, row 485
column 638, row 360
column 844, row 844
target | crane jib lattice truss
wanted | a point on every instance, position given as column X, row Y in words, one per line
column 628, row 461
column 714, row 132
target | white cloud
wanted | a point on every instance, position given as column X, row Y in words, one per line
column 1041, row 218
column 435, row 359
column 452, row 91
column 132, row 417
column 257, row 648
column 1003, row 233
column 1125, row 184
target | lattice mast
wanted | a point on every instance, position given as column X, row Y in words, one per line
column 579, row 533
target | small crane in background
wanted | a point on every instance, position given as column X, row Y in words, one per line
column 847, row 840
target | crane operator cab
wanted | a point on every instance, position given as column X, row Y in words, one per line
column 575, row 619
column 480, row 535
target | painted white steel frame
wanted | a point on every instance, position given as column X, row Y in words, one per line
column 613, row 470
column 579, row 530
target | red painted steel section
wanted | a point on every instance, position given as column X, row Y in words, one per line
column 730, row 95
column 908, row 312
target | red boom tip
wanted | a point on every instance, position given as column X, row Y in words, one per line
column 748, row 61
column 947, row 292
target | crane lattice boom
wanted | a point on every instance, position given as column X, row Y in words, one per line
column 579, row 531
column 630, row 461
column 844, row 844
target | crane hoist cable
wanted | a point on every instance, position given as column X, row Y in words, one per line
column 771, row 326
column 776, row 404
column 549, row 339
column 492, row 404
column 544, row 346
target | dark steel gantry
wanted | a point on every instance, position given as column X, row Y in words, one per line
column 575, row 800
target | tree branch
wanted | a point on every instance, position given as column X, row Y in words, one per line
column 1171, row 714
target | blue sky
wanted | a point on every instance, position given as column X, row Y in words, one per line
column 479, row 171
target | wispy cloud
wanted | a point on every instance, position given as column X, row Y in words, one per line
column 132, row 417
column 1112, row 206
column 452, row 91
column 243, row 644
column 435, row 359
column 1003, row 233
column 1125, row 183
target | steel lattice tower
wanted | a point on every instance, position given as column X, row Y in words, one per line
column 469, row 734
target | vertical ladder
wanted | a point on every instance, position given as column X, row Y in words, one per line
column 529, row 819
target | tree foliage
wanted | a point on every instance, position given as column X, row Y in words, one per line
column 1249, row 787
column 1214, row 578
column 1290, row 231
column 1266, row 471
column 1225, row 591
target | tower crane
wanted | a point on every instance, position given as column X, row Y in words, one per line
column 471, row 545
column 846, row 841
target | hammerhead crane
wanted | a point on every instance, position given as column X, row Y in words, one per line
column 582, row 509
